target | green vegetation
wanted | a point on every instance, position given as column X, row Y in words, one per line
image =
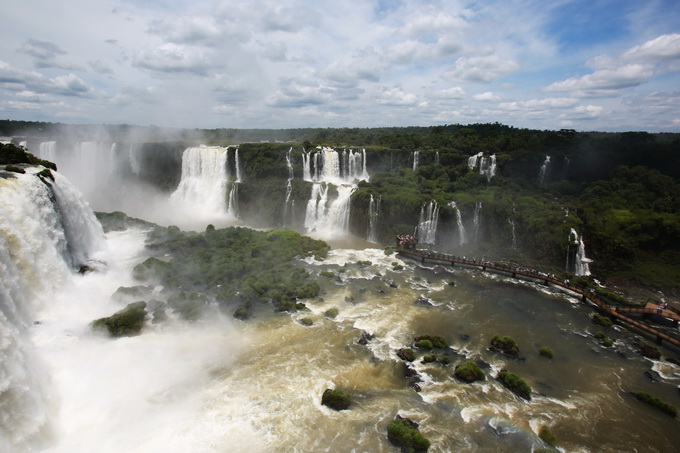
column 547, row 436
column 125, row 323
column 335, row 399
column 657, row 403
column 331, row 312
column 14, row 169
column 602, row 320
column 306, row 322
column 650, row 351
column 12, row 154
column 237, row 266
column 505, row 345
column 469, row 371
column 515, row 384
column 431, row 341
column 545, row 351
column 406, row 354
column 404, row 434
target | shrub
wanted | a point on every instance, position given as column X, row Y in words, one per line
column 602, row 320
column 404, row 434
column 505, row 345
column 437, row 341
column 406, row 354
column 328, row 274
column 546, row 434
column 124, row 323
column 600, row 335
column 515, row 384
column 607, row 342
column 545, row 351
column 306, row 322
column 335, row 399
column 424, row 344
column 241, row 313
column 15, row 169
column 656, row 402
column 452, row 283
column 469, row 372
column 331, row 313
column 429, row 358
column 650, row 351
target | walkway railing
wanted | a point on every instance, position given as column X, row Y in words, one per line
column 547, row 279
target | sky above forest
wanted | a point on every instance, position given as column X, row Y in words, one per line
column 608, row 65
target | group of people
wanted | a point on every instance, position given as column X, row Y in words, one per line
column 661, row 307
column 406, row 241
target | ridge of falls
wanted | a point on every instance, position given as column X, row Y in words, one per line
column 426, row 231
column 581, row 263
column 373, row 217
column 325, row 167
column 47, row 232
column 462, row 235
column 543, row 171
column 202, row 191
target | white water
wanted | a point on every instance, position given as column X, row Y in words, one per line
column 474, row 159
column 201, row 196
column 477, row 221
column 462, row 235
column 487, row 167
column 416, row 157
column 373, row 217
column 543, row 171
column 581, row 262
column 237, row 165
column 288, row 204
column 426, row 231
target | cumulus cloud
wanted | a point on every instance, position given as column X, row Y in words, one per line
column 632, row 68
column 487, row 96
column 19, row 81
column 480, row 69
column 176, row 58
column 298, row 92
column 396, row 96
column 44, row 54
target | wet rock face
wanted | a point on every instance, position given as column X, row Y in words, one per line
column 335, row 399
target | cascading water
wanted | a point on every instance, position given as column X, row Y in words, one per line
column 477, row 221
column 416, row 157
column 514, row 235
column 581, row 264
column 237, row 165
column 544, row 171
column 202, row 191
column 436, row 157
column 327, row 166
column 288, row 204
column 426, row 231
column 462, row 235
column 474, row 159
column 41, row 228
column 373, row 217
column 487, row 166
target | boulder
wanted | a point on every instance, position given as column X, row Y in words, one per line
column 335, row 399
column 125, row 323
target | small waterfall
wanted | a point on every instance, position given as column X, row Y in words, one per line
column 237, row 164
column 288, row 204
column 373, row 216
column 487, row 167
column 581, row 265
column 134, row 157
column 462, row 236
column 477, row 221
column 203, row 187
column 317, row 214
column 232, row 205
column 514, row 235
column 436, row 157
column 416, row 157
column 306, row 166
column 426, row 231
column 474, row 159
column 543, row 171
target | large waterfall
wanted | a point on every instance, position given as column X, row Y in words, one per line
column 45, row 233
column 326, row 167
column 581, row 264
column 462, row 235
column 427, row 225
column 202, row 192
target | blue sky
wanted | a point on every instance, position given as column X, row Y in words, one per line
column 589, row 65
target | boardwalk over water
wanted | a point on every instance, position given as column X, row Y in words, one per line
column 617, row 313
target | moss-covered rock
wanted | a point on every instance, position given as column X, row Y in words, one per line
column 404, row 433
column 469, row 372
column 437, row 341
column 505, row 345
column 602, row 320
column 650, row 352
column 515, row 384
column 125, row 323
column 331, row 313
column 657, row 403
column 336, row 399
column 406, row 354
column 547, row 436
column 546, row 351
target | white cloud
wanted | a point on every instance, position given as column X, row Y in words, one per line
column 451, row 93
column 487, row 96
column 396, row 96
column 176, row 58
column 480, row 69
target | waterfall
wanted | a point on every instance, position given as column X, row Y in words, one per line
column 416, row 156
column 474, row 159
column 232, row 204
column 487, row 167
column 37, row 224
column 134, row 152
column 462, row 236
column 202, row 191
column 237, row 164
column 427, row 225
column 543, row 171
column 331, row 217
column 581, row 262
column 373, row 216
column 436, row 157
column 477, row 221
column 48, row 151
column 306, row 166
column 289, row 186
column 514, row 236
